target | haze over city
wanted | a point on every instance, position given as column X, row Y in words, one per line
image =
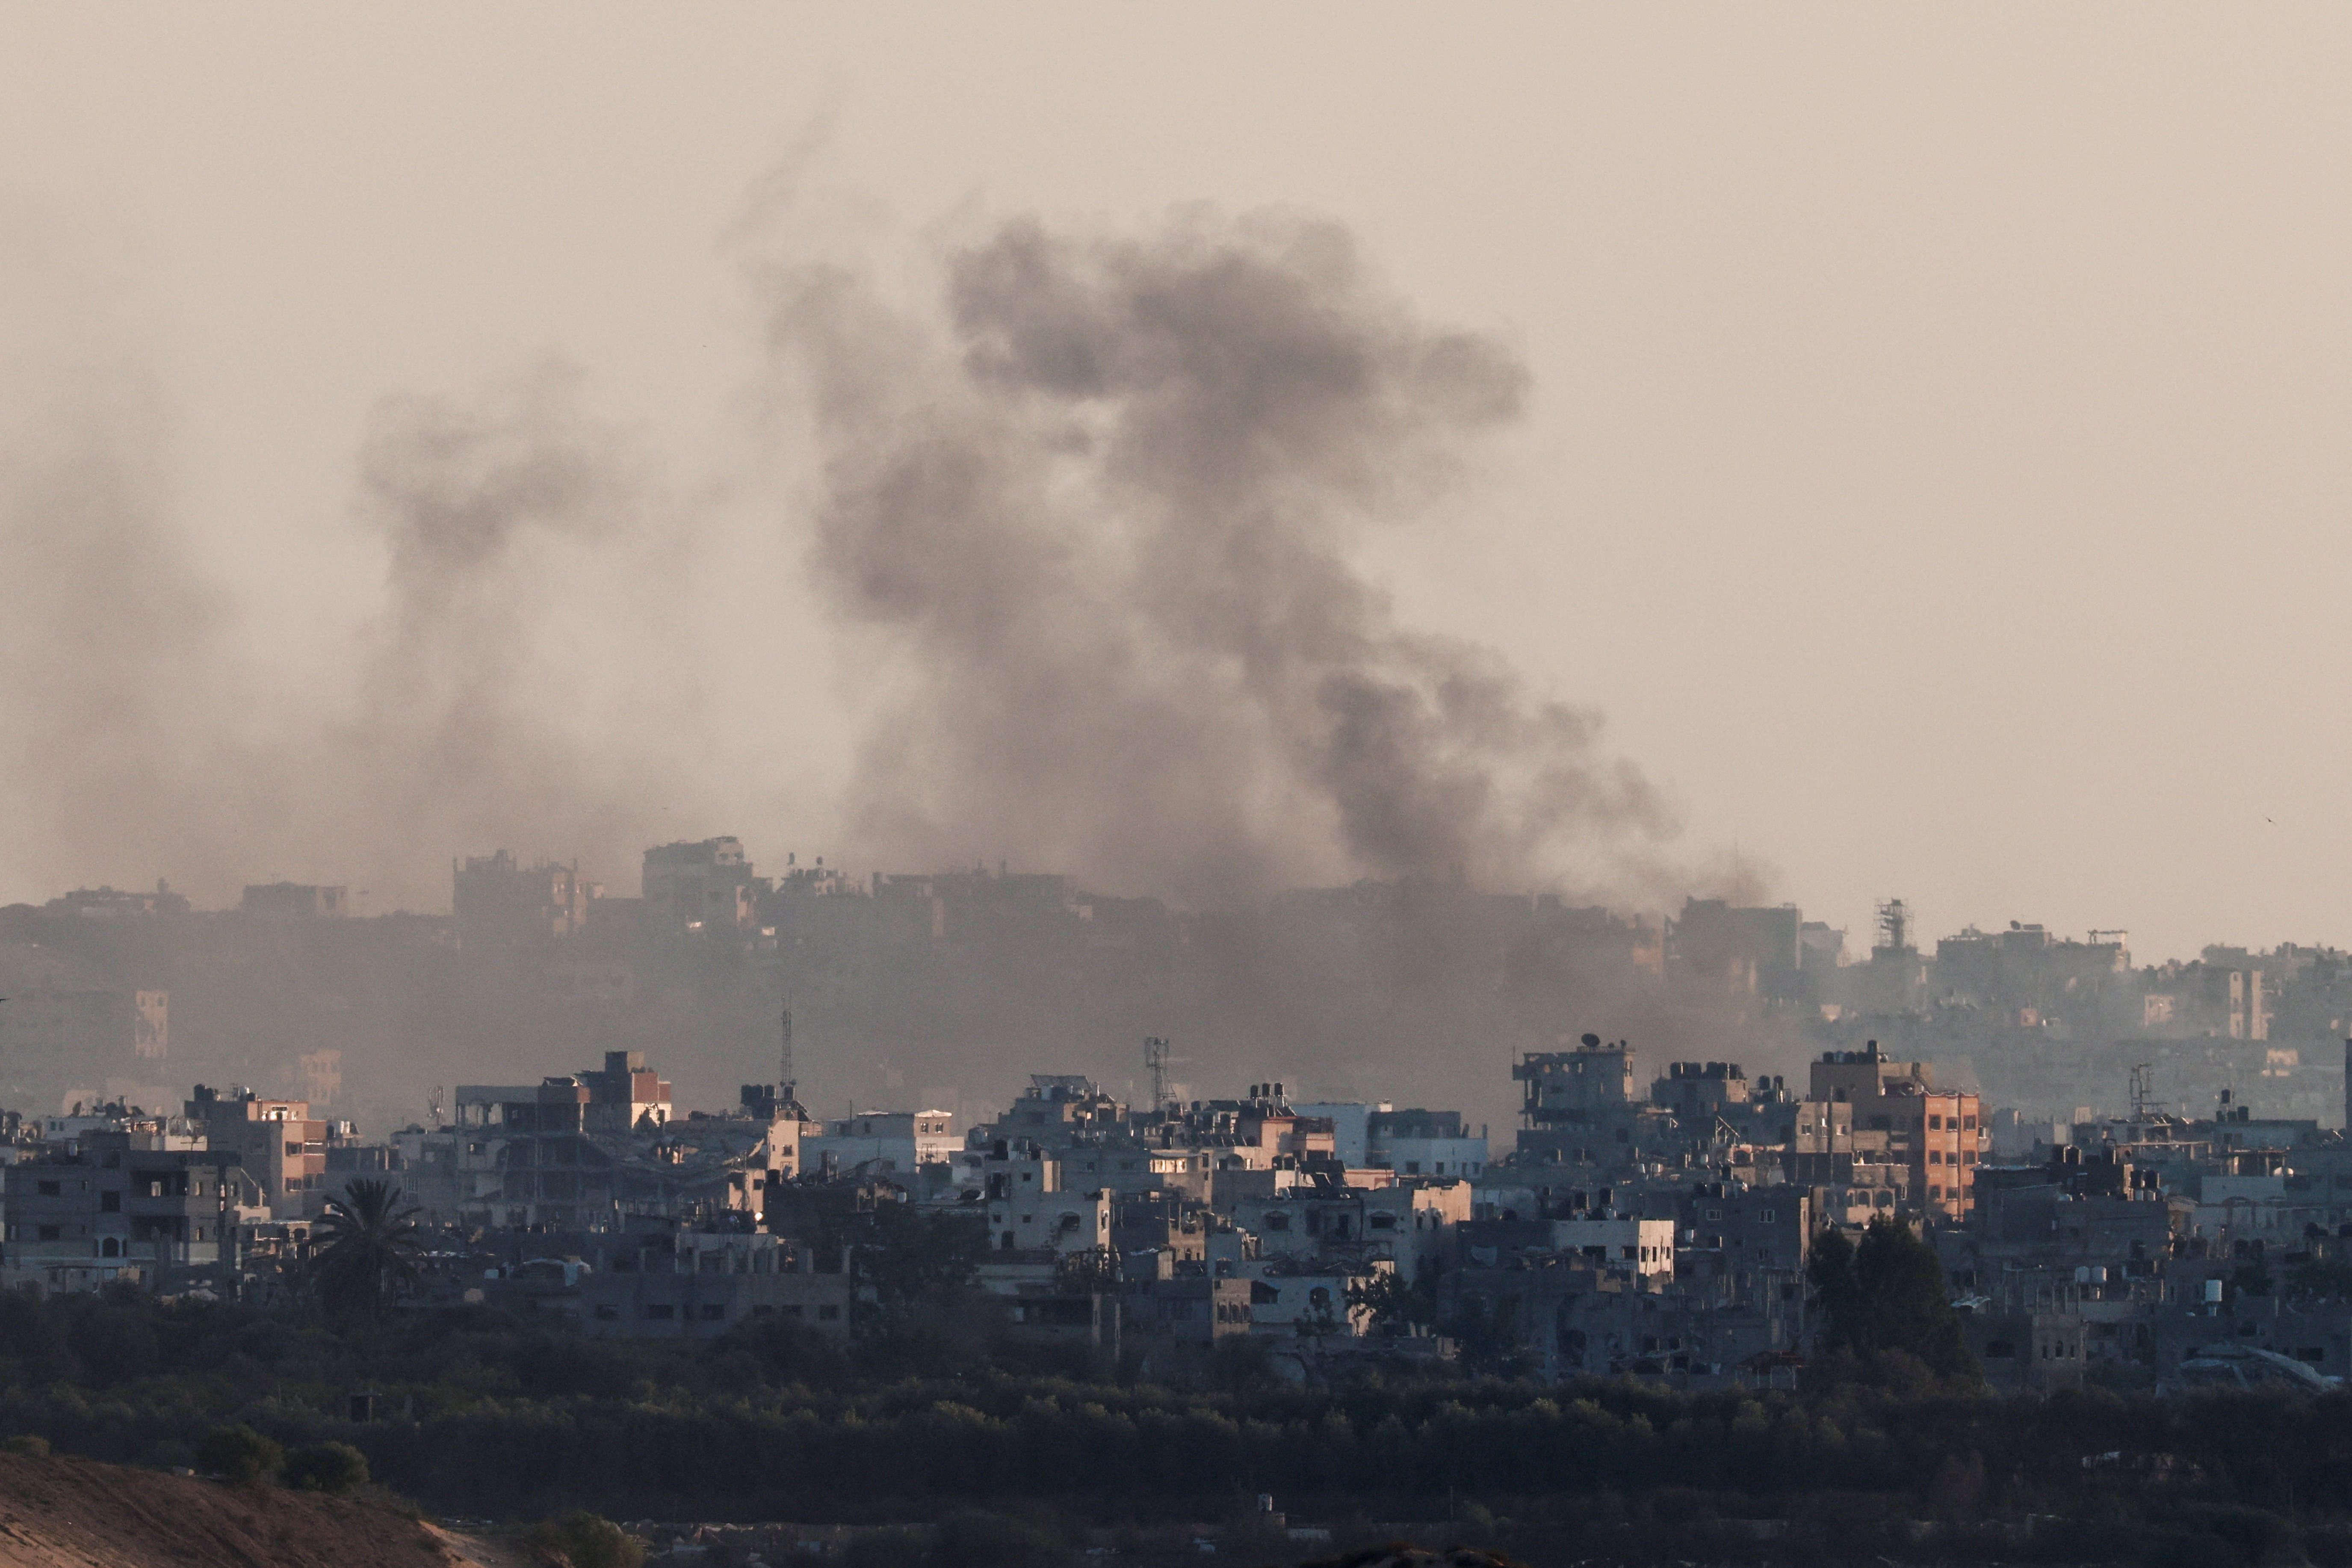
column 891, row 785
column 1897, row 463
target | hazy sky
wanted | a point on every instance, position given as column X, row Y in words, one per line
column 1933, row 464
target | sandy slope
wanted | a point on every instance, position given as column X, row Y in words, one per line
column 72, row 1513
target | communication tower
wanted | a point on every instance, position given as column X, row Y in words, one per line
column 1155, row 1061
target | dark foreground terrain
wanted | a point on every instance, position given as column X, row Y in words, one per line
column 66, row 1513
column 911, row 1448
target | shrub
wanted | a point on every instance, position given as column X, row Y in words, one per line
column 28, row 1445
column 972, row 1535
column 893, row 1546
column 589, row 1541
column 239, row 1454
column 170, row 1454
column 326, row 1468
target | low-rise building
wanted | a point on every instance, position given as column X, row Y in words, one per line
column 148, row 1204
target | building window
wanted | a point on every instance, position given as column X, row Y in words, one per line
column 109, row 1202
column 45, row 1189
column 714, row 1311
column 1767, row 1216
column 48, row 1233
column 660, row 1311
column 828, row 1314
column 606, row 1313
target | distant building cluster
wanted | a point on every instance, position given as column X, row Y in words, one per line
column 1660, row 1230
column 2118, row 1165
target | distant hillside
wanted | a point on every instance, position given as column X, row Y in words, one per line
column 73, row 1513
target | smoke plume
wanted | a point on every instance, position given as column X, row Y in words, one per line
column 520, row 555
column 514, row 681
column 1098, row 512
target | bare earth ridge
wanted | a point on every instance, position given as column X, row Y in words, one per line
column 75, row 1513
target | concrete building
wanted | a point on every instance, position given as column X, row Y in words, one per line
column 500, row 903
column 1351, row 1126
column 295, row 901
column 692, row 1284
column 149, row 1203
column 1029, row 1209
column 704, row 886
column 900, row 1141
column 1423, row 1142
column 278, row 1142
column 1756, row 952
column 1743, row 1230
column 1934, row 1138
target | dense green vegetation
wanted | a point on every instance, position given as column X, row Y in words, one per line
column 1887, row 1293
column 483, row 1416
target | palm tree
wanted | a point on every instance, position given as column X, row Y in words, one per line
column 366, row 1254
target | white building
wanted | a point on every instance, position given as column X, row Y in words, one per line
column 878, row 1141
column 1030, row 1210
column 1642, row 1246
column 1351, row 1126
column 1426, row 1143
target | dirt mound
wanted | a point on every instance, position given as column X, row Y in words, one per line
column 73, row 1513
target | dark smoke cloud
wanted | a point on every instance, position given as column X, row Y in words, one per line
column 1092, row 510
column 1102, row 510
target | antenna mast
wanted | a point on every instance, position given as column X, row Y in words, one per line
column 787, row 1082
column 1155, row 1061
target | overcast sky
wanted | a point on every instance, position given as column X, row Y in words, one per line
column 1935, row 466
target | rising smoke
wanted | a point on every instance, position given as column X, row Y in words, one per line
column 508, row 686
column 1097, row 517
column 1090, row 515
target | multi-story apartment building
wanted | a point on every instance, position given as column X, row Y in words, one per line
column 499, row 902
column 1932, row 1139
column 701, row 886
column 277, row 1141
column 134, row 1201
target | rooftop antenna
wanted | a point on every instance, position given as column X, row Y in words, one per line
column 1155, row 1059
column 2144, row 1102
column 787, row 1082
column 433, row 1107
